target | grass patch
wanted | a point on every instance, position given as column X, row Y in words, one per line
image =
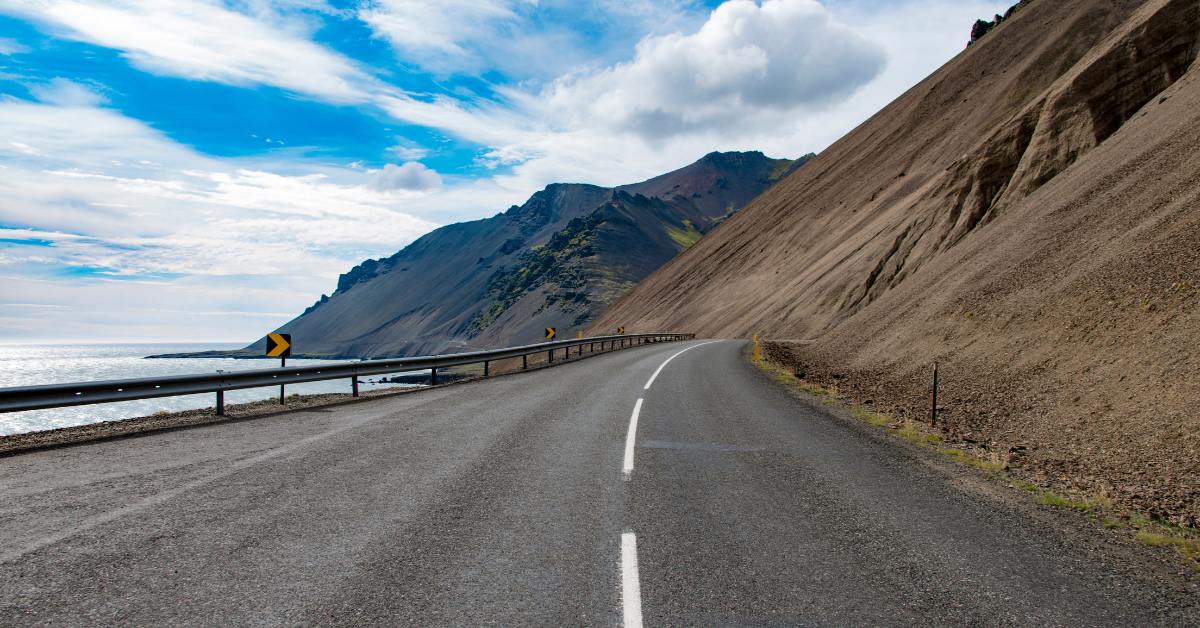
column 908, row 432
column 1186, row 548
column 1052, row 499
column 816, row 391
column 874, row 418
column 684, row 236
column 968, row 459
column 1112, row 524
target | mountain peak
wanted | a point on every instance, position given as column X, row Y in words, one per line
column 557, row 260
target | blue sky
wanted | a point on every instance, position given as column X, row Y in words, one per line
column 203, row 170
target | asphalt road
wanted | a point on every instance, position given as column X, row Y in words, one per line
column 509, row 501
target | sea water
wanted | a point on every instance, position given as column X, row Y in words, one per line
column 30, row 365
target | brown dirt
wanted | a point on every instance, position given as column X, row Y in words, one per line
column 1028, row 217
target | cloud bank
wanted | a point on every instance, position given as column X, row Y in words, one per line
column 745, row 68
column 203, row 41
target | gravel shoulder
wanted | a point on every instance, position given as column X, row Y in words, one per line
column 1152, row 545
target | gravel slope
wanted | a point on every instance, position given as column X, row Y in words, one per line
column 1027, row 218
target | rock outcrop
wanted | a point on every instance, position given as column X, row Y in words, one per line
column 982, row 27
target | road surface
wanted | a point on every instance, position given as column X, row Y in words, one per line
column 528, row 500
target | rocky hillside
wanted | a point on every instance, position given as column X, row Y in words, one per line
column 1027, row 216
column 556, row 261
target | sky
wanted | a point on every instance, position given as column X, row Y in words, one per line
column 203, row 170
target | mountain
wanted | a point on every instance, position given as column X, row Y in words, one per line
column 556, row 261
column 1027, row 216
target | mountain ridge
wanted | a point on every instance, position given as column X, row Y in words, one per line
column 498, row 281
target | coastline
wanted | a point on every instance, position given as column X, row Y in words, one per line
column 13, row 444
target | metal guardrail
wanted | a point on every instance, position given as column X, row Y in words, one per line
column 83, row 393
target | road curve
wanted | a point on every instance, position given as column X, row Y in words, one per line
column 513, row 501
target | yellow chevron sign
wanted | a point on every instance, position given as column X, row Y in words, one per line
column 549, row 333
column 279, row 345
column 620, row 330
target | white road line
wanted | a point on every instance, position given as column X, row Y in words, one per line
column 660, row 366
column 630, row 437
column 631, row 588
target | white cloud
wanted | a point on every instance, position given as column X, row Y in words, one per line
column 198, row 40
column 441, row 26
column 522, row 39
column 593, row 125
column 412, row 176
column 408, row 154
column 73, row 204
column 10, row 46
column 67, row 93
column 746, row 68
column 24, row 148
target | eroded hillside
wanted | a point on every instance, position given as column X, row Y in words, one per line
column 1027, row 216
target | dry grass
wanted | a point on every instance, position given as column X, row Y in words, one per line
column 1186, row 548
column 1053, row 499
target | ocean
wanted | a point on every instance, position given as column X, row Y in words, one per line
column 29, row 365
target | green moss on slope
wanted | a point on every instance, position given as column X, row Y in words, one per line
column 539, row 266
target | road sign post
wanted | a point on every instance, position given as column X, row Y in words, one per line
column 280, row 346
column 933, row 398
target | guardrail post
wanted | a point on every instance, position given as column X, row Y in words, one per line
column 485, row 368
column 354, row 386
column 433, row 376
column 524, row 362
column 220, row 403
column 551, row 352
